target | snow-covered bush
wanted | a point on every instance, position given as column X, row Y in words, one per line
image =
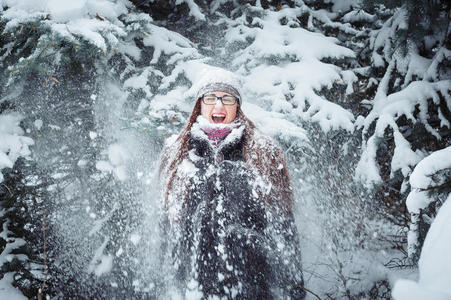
column 431, row 185
column 434, row 263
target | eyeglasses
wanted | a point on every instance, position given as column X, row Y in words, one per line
column 226, row 99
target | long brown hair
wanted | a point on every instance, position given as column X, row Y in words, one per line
column 270, row 164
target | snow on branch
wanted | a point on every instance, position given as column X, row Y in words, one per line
column 422, row 179
column 90, row 28
column 326, row 18
column 168, row 42
column 432, row 73
column 194, row 9
column 271, row 38
column 87, row 20
column 383, row 40
column 13, row 143
column 358, row 16
column 412, row 103
column 283, row 66
column 429, row 176
column 434, row 263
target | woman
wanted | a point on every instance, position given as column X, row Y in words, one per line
column 229, row 202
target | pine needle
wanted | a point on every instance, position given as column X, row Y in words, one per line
column 7, row 188
column 51, row 79
column 42, row 51
column 99, row 17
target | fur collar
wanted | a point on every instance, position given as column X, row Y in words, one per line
column 201, row 143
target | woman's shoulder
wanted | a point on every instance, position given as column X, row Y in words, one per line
column 170, row 142
column 266, row 144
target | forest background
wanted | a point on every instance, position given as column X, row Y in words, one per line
column 357, row 93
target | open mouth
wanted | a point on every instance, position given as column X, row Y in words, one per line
column 218, row 118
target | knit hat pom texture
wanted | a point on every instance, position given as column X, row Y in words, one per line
column 217, row 79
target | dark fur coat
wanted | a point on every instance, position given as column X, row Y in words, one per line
column 225, row 241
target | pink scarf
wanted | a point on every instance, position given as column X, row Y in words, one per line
column 218, row 134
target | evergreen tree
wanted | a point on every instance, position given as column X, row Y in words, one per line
column 409, row 114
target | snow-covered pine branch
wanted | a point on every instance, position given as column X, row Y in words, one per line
column 407, row 92
column 430, row 185
column 409, row 115
column 14, row 143
column 410, row 103
column 434, row 263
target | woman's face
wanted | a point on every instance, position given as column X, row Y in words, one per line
column 218, row 113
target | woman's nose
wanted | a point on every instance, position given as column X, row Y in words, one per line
column 218, row 103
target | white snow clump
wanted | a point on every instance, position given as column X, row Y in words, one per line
column 434, row 263
column 13, row 144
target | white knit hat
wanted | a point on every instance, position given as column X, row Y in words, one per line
column 217, row 79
